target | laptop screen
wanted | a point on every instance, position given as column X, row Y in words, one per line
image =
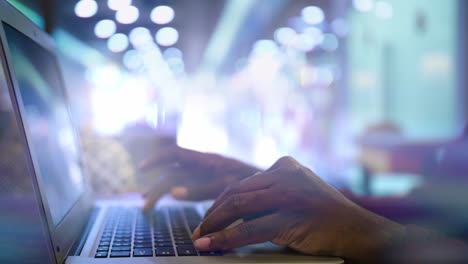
column 50, row 133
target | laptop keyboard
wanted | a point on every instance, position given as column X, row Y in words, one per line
column 164, row 233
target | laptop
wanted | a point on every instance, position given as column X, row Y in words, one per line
column 82, row 229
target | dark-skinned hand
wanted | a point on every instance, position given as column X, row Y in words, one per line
column 290, row 206
column 192, row 175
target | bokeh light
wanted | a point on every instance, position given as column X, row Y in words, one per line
column 118, row 4
column 162, row 15
column 132, row 60
column 363, row 5
column 140, row 36
column 127, row 15
column 105, row 28
column 330, row 42
column 265, row 47
column 285, row 35
column 340, row 27
column 117, row 43
column 313, row 15
column 167, row 36
column 383, row 10
column 172, row 52
column 86, row 8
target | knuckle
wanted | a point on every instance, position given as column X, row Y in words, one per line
column 287, row 160
column 231, row 188
column 235, row 203
column 246, row 230
column 219, row 241
column 293, row 170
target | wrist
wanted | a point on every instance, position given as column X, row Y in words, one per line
column 375, row 237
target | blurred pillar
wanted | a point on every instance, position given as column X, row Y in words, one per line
column 462, row 64
column 339, row 10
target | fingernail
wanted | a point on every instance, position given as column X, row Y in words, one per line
column 196, row 233
column 203, row 243
column 179, row 192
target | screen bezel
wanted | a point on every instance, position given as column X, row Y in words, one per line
column 65, row 233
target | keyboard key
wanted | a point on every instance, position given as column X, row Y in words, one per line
column 186, row 251
column 120, row 244
column 147, row 233
column 101, row 255
column 140, row 241
column 162, row 240
column 181, row 238
column 120, row 248
column 164, row 244
column 165, row 251
column 122, row 240
column 103, row 248
column 143, row 245
column 143, row 252
column 106, row 239
column 210, row 253
column 120, row 254
column 162, row 234
column 123, row 233
column 183, row 242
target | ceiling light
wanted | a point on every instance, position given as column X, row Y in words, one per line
column 313, row 15
column 363, row 5
column 86, row 8
column 340, row 27
column 127, row 15
column 265, row 47
column 140, row 36
column 167, row 36
column 132, row 60
column 384, row 10
column 305, row 42
column 330, row 42
column 118, row 4
column 162, row 15
column 105, row 28
column 315, row 33
column 285, row 35
column 117, row 43
column 172, row 53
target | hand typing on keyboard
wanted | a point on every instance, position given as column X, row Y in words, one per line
column 289, row 205
column 192, row 175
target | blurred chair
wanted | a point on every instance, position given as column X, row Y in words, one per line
column 384, row 149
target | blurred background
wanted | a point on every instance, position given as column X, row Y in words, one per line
column 364, row 92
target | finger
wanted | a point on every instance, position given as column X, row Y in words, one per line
column 197, row 191
column 259, row 181
column 177, row 154
column 177, row 176
column 286, row 161
column 256, row 231
column 162, row 157
column 179, row 192
column 162, row 186
column 239, row 206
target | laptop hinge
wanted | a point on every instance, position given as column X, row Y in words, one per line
column 79, row 244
